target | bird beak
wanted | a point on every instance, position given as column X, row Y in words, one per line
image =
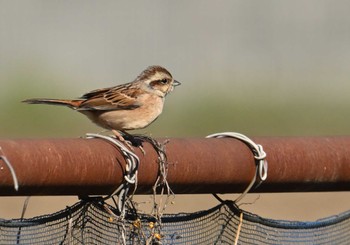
column 176, row 83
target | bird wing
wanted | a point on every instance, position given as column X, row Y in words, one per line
column 122, row 97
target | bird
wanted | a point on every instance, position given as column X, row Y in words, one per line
column 124, row 107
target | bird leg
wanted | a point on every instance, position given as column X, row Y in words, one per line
column 129, row 140
column 120, row 137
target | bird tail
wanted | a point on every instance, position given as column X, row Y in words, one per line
column 69, row 103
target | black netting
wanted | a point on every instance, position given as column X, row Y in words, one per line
column 90, row 223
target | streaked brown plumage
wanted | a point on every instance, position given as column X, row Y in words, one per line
column 127, row 106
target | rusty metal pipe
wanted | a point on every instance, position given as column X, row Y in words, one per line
column 95, row 167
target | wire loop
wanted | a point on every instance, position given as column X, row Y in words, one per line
column 12, row 170
column 130, row 175
column 261, row 165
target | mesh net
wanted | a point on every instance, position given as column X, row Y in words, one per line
column 90, row 223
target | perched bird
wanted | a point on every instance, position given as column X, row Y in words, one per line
column 128, row 106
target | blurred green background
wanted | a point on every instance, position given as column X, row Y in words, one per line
column 261, row 68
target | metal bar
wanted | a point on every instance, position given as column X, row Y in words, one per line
column 95, row 167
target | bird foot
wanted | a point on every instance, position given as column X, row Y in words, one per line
column 129, row 140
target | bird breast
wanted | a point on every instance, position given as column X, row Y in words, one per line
column 151, row 107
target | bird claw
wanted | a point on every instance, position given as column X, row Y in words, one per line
column 142, row 150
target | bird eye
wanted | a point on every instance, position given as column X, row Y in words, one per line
column 164, row 81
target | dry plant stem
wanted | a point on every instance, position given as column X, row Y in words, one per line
column 239, row 228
